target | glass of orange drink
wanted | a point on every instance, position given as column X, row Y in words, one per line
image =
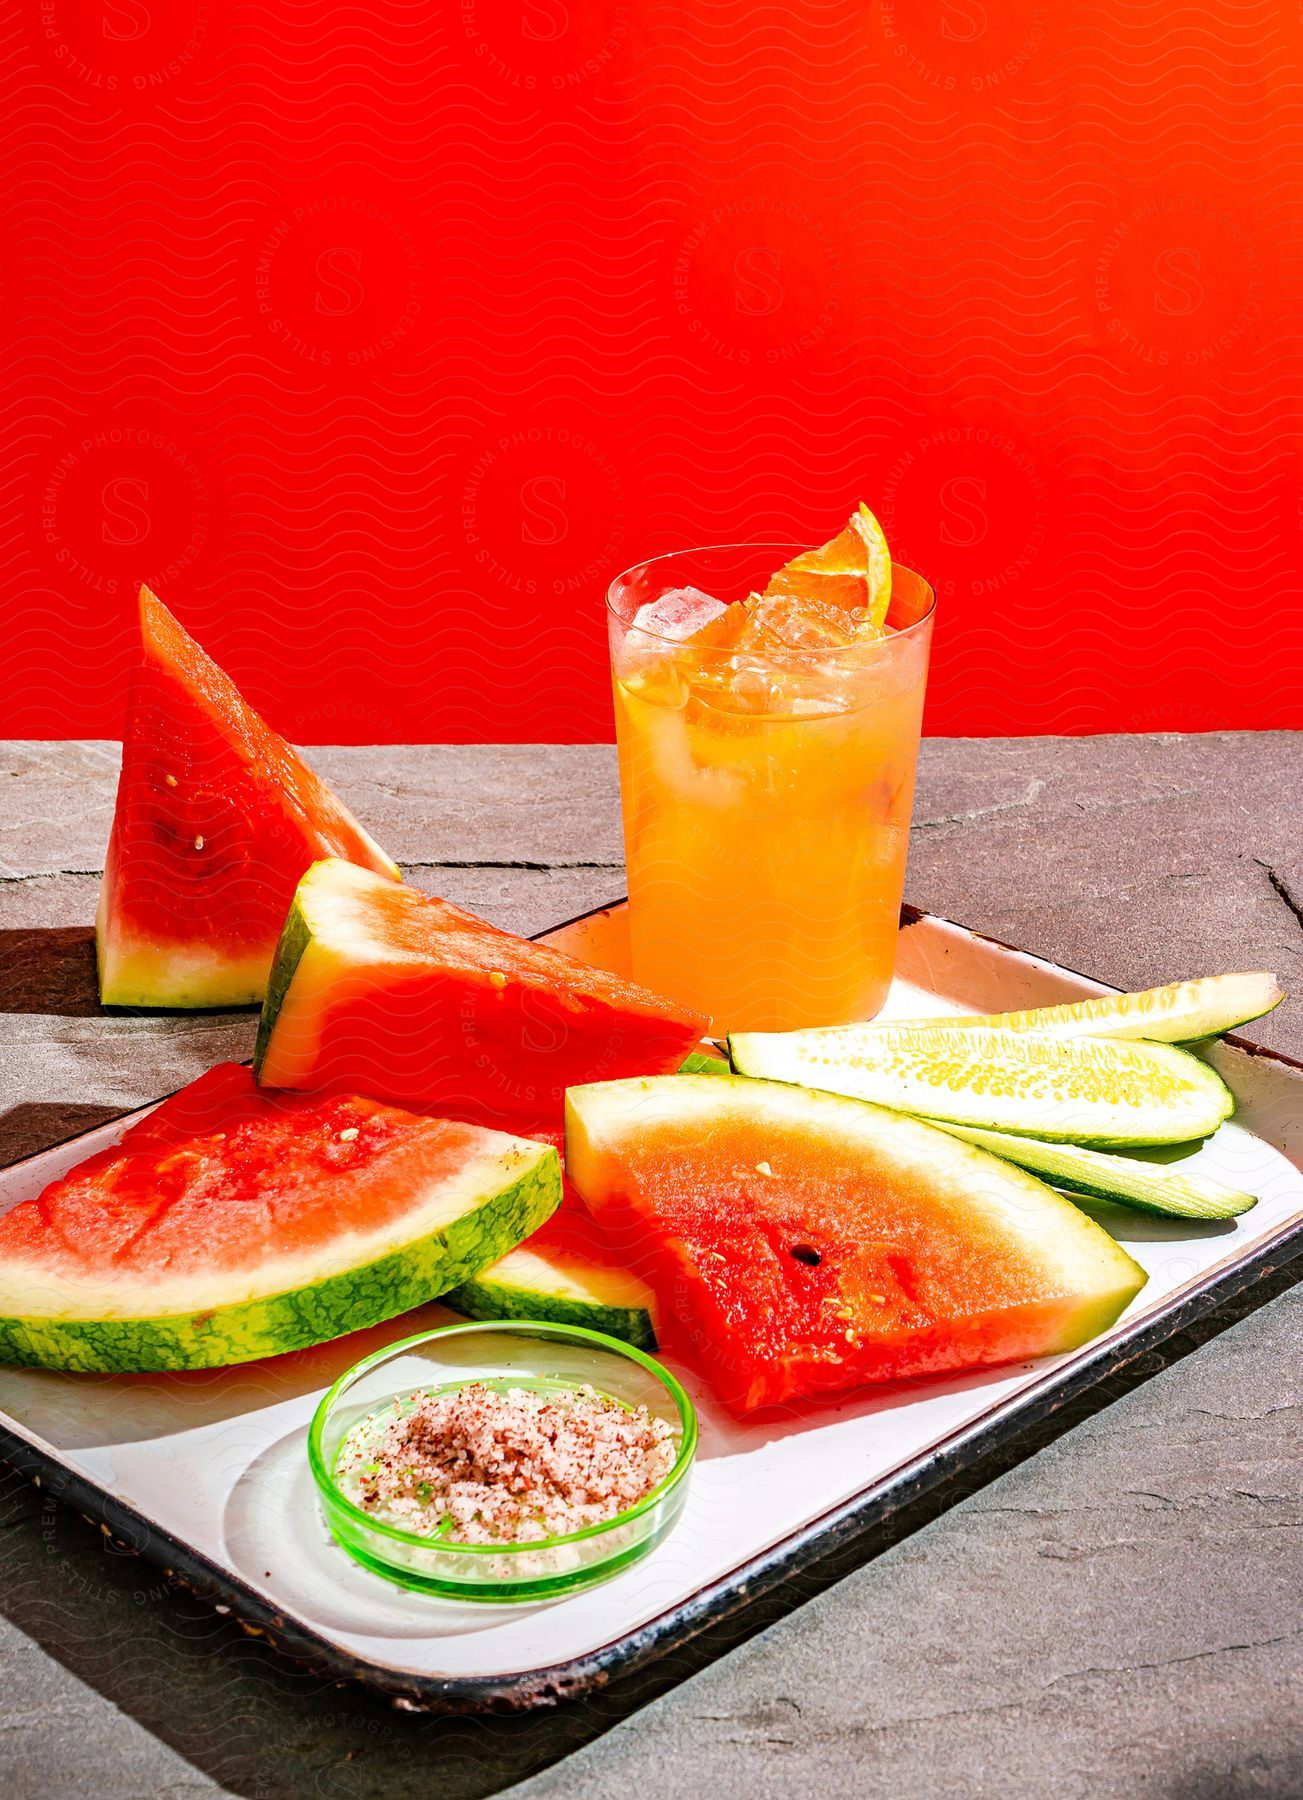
column 767, row 750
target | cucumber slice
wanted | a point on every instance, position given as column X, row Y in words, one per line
column 1148, row 1187
column 701, row 1062
column 1176, row 1014
column 1071, row 1090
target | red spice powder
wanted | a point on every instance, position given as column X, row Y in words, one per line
column 480, row 1466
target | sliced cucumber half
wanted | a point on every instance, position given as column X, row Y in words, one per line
column 1179, row 1013
column 1148, row 1187
column 1098, row 1091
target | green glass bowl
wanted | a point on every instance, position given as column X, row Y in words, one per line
column 520, row 1353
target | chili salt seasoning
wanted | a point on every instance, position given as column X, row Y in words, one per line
column 484, row 1465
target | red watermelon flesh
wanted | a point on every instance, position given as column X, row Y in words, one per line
column 379, row 989
column 216, row 820
column 801, row 1244
column 232, row 1223
column 224, row 1171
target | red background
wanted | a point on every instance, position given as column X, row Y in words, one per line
column 378, row 336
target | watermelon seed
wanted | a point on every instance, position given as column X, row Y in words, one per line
column 199, row 843
column 350, row 1133
column 807, row 1254
column 170, row 780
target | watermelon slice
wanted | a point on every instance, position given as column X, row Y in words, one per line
column 377, row 989
column 231, row 1224
column 216, row 820
column 801, row 1243
column 566, row 1272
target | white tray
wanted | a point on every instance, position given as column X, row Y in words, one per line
column 207, row 1472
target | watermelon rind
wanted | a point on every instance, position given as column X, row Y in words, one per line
column 1078, row 1259
column 197, row 980
column 546, row 1284
column 456, row 1227
column 296, row 935
column 319, row 944
column 1106, row 1092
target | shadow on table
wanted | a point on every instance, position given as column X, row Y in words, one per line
column 36, row 1125
column 1241, row 1770
column 260, row 1727
column 49, row 969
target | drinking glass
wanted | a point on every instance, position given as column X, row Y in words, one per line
column 766, row 800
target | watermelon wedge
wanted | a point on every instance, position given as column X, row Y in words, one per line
column 565, row 1272
column 377, row 989
column 216, row 820
column 231, row 1224
column 801, row 1243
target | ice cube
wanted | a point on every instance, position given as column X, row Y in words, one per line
column 797, row 623
column 678, row 614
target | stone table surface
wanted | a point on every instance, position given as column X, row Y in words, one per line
column 1113, row 1608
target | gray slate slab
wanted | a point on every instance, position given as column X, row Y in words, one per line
column 1118, row 1614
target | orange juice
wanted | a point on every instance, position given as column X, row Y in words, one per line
column 766, row 800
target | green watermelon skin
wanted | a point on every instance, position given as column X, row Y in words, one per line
column 521, row 1187
column 490, row 1297
column 295, row 1320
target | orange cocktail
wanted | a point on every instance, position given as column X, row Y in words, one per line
column 766, row 786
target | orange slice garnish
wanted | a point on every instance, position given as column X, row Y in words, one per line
column 852, row 571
